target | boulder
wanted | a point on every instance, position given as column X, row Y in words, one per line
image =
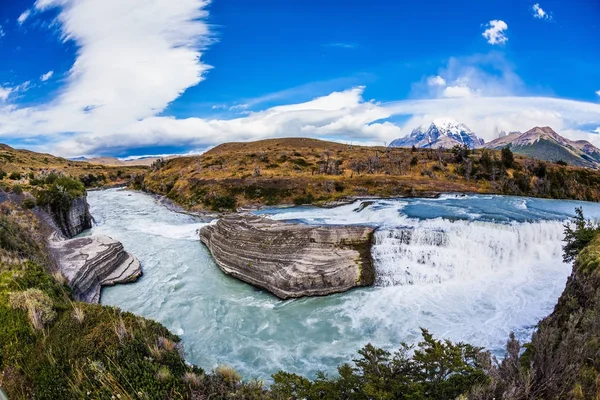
column 291, row 260
column 91, row 262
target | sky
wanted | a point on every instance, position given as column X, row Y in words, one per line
column 142, row 77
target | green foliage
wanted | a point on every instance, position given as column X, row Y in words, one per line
column 508, row 159
column 2, row 174
column 15, row 176
column 17, row 189
column 437, row 370
column 60, row 193
column 578, row 234
column 219, row 203
column 460, row 153
column 414, row 161
column 306, row 199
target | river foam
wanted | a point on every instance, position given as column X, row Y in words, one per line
column 468, row 268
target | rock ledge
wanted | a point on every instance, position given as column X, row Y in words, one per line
column 291, row 260
column 91, row 262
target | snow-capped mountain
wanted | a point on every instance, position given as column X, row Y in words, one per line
column 545, row 144
column 441, row 133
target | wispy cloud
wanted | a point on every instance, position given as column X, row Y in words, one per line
column 2, row 33
column 5, row 92
column 46, row 76
column 496, row 32
column 539, row 13
column 342, row 45
column 23, row 17
column 598, row 92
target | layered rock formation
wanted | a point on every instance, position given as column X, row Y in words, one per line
column 69, row 223
column 291, row 260
column 91, row 262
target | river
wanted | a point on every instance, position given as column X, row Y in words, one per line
column 468, row 268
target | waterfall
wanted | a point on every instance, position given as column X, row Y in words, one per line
column 440, row 250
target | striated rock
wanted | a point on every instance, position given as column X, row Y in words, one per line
column 69, row 223
column 291, row 260
column 94, row 261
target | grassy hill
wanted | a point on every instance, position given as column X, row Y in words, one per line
column 306, row 171
column 23, row 166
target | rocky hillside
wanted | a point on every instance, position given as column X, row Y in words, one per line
column 309, row 171
column 543, row 143
column 441, row 133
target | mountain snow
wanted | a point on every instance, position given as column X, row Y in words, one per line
column 443, row 132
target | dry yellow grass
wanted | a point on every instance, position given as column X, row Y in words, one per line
column 298, row 170
column 27, row 162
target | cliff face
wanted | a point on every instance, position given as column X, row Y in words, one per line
column 92, row 262
column 69, row 222
column 291, row 260
column 564, row 354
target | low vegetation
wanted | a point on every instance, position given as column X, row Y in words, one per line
column 308, row 171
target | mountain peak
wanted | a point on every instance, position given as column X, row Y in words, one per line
column 545, row 144
column 441, row 132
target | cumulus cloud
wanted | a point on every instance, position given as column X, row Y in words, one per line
column 46, row 76
column 496, row 32
column 133, row 59
column 436, row 81
column 23, row 17
column 539, row 13
column 598, row 92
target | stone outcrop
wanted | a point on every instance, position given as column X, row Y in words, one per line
column 291, row 260
column 69, row 223
column 91, row 262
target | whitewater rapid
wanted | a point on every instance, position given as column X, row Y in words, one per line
column 468, row 268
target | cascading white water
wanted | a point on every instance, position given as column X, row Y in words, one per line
column 468, row 268
column 436, row 251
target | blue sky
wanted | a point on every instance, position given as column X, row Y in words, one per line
column 133, row 77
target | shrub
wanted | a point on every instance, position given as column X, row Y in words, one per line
column 15, row 176
column 60, row 194
column 28, row 203
column 508, row 159
column 17, row 189
column 308, row 199
column 414, row 161
column 220, row 203
column 578, row 234
column 562, row 162
column 2, row 174
column 37, row 304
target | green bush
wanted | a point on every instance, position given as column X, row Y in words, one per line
column 60, row 193
column 15, row 176
column 508, row 159
column 436, row 370
column 17, row 189
column 578, row 234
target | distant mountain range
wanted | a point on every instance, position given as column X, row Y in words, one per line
column 441, row 133
column 540, row 142
column 545, row 144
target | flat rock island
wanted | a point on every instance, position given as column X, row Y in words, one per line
column 291, row 260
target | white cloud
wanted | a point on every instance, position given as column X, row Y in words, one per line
column 495, row 32
column 436, row 81
column 539, row 13
column 2, row 33
column 46, row 76
column 23, row 17
column 342, row 45
column 5, row 92
column 598, row 92
column 458, row 91
column 134, row 59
